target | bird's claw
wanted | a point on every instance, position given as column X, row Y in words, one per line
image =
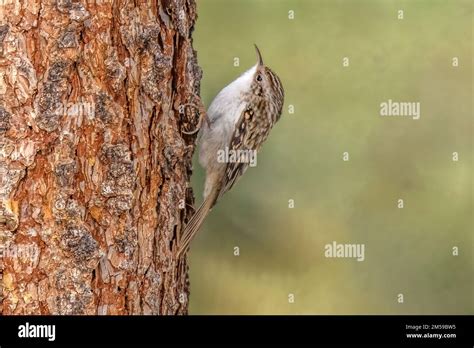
column 203, row 115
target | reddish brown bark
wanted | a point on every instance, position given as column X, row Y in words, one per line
column 94, row 166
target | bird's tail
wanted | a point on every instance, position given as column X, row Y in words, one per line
column 195, row 223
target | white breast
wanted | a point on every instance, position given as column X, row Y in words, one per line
column 224, row 112
column 228, row 101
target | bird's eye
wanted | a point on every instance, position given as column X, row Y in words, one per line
column 259, row 77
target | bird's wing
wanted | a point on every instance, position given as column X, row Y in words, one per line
column 249, row 134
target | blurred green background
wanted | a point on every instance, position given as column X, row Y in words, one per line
column 407, row 251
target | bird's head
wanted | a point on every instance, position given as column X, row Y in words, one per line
column 266, row 84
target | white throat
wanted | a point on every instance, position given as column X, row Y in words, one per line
column 229, row 104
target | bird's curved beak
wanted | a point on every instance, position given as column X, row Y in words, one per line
column 259, row 55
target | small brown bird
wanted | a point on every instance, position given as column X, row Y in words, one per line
column 239, row 120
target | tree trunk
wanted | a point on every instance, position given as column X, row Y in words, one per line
column 94, row 164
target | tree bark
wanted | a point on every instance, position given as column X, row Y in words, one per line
column 94, row 164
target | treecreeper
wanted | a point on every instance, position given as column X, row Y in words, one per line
column 238, row 121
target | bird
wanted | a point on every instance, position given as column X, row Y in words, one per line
column 238, row 121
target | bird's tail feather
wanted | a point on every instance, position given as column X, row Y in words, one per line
column 195, row 223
